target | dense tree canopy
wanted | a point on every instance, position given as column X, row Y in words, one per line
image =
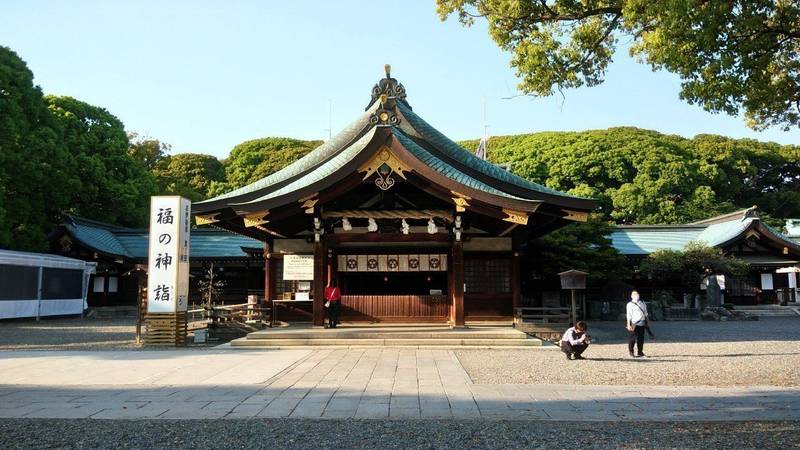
column 642, row 176
column 255, row 159
column 35, row 166
column 188, row 174
column 732, row 56
column 59, row 154
column 690, row 266
column 582, row 246
column 111, row 185
column 146, row 151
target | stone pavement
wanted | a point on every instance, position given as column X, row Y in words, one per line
column 369, row 383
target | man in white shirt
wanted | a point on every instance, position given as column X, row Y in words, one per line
column 575, row 341
column 636, row 321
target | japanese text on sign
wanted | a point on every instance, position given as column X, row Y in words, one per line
column 168, row 259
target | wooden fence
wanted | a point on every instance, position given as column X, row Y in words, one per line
column 251, row 314
column 546, row 322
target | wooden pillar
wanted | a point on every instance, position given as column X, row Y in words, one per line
column 458, row 284
column 450, row 289
column 141, row 299
column 330, row 265
column 269, row 275
column 319, row 283
column 516, row 283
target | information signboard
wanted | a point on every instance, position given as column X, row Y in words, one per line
column 298, row 267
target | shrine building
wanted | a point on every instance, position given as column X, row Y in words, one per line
column 414, row 228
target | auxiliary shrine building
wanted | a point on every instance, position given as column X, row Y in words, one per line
column 413, row 227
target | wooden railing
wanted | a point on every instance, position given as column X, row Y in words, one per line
column 543, row 315
column 547, row 323
column 243, row 313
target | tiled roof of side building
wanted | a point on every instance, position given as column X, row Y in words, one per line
column 97, row 236
column 783, row 237
column 645, row 239
column 132, row 243
column 735, row 215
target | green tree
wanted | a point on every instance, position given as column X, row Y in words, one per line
column 642, row 176
column 582, row 246
column 690, row 266
column 111, row 185
column 638, row 176
column 732, row 56
column 34, row 163
column 252, row 160
column 188, row 174
column 146, row 151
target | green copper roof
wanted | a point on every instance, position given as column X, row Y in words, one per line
column 388, row 110
column 99, row 234
column 645, row 239
column 456, row 152
column 446, row 169
column 312, row 159
column 324, row 170
column 132, row 243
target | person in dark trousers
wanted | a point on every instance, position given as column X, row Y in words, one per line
column 575, row 341
column 333, row 300
column 636, row 322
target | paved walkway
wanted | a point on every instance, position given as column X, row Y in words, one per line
column 334, row 383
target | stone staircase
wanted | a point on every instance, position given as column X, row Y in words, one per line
column 769, row 310
column 111, row 312
column 433, row 336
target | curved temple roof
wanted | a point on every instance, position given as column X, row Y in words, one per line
column 720, row 231
column 390, row 123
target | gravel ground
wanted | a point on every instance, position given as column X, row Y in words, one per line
column 67, row 334
column 305, row 434
column 762, row 352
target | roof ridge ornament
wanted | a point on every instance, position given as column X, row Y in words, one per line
column 390, row 87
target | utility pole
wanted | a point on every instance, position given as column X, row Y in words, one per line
column 330, row 120
column 485, row 125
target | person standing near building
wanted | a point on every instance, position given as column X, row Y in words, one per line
column 636, row 322
column 575, row 341
column 333, row 299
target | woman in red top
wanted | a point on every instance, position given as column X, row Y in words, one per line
column 333, row 297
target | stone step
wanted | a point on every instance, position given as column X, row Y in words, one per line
column 111, row 312
column 762, row 308
column 270, row 335
column 386, row 342
column 771, row 313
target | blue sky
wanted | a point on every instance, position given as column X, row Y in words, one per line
column 204, row 76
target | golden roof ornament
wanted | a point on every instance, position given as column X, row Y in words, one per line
column 390, row 87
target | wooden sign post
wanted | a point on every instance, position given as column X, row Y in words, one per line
column 168, row 271
column 572, row 280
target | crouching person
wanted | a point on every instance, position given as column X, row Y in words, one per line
column 575, row 341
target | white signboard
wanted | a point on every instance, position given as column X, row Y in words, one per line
column 298, row 267
column 766, row 281
column 168, row 258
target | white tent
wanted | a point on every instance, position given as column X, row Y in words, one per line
column 37, row 284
